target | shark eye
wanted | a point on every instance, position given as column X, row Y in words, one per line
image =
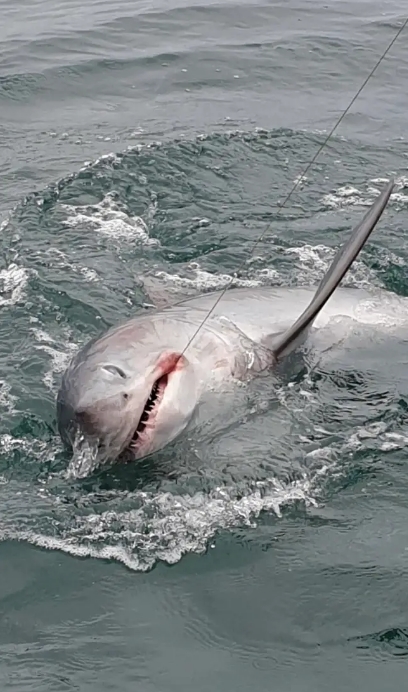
column 114, row 370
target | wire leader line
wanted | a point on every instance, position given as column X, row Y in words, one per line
column 299, row 178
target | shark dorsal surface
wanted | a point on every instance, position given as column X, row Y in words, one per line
column 287, row 341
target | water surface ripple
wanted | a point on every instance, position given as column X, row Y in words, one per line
column 144, row 148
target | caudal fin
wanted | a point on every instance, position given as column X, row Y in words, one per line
column 343, row 260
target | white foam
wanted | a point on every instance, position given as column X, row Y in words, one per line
column 345, row 196
column 312, row 262
column 392, row 441
column 315, row 260
column 7, row 399
column 386, row 440
column 370, row 435
column 37, row 448
column 59, row 358
column 143, row 528
column 109, row 158
column 348, row 195
column 299, row 179
column 5, row 223
column 166, row 526
column 109, row 219
column 13, row 281
column 202, row 280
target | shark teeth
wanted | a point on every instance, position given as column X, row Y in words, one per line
column 151, row 404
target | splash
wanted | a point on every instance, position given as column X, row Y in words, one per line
column 161, row 527
column 141, row 528
column 108, row 218
column 211, row 176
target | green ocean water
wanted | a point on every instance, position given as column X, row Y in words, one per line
column 145, row 147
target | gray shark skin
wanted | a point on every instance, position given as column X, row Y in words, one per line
column 137, row 387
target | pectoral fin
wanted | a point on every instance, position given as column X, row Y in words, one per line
column 286, row 342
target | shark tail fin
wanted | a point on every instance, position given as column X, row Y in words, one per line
column 344, row 258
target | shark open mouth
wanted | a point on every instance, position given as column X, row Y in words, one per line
column 150, row 408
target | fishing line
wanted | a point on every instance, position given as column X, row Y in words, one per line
column 299, row 178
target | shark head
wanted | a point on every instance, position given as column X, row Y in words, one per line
column 128, row 392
